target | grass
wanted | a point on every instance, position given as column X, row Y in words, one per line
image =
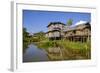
column 77, row 49
column 70, row 49
column 64, row 44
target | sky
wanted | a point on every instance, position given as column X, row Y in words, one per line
column 35, row 21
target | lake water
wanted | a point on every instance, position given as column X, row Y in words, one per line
column 34, row 54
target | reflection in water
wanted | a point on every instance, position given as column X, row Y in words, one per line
column 33, row 54
column 55, row 53
column 25, row 46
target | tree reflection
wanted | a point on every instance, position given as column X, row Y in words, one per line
column 25, row 46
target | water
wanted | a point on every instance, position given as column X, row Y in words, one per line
column 34, row 54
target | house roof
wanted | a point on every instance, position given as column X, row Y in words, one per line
column 81, row 22
column 53, row 31
column 78, row 27
column 82, row 26
column 54, row 23
column 68, row 28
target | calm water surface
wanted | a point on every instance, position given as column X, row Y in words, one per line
column 34, row 54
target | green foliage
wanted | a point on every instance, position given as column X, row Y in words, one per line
column 77, row 48
column 69, row 22
column 25, row 35
column 71, row 49
column 45, row 44
column 37, row 37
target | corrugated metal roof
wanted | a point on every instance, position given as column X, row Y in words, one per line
column 77, row 27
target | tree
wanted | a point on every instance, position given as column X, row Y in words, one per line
column 40, row 35
column 69, row 22
column 25, row 33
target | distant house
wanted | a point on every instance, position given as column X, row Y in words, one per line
column 58, row 30
column 55, row 30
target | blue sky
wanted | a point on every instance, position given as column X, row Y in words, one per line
column 35, row 21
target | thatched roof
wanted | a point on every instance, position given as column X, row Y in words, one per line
column 68, row 28
column 53, row 31
column 54, row 23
